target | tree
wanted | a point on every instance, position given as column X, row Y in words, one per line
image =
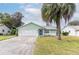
column 55, row 12
column 17, row 17
column 11, row 21
column 6, row 19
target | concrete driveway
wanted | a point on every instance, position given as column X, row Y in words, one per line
column 17, row 46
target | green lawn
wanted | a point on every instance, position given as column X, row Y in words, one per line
column 50, row 45
column 5, row 37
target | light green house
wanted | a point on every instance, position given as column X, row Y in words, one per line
column 32, row 29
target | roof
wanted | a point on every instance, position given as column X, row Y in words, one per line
column 74, row 22
column 46, row 27
column 3, row 25
column 50, row 27
column 75, row 27
column 28, row 24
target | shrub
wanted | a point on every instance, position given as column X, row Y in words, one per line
column 13, row 31
column 65, row 33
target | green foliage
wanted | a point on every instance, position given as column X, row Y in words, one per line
column 11, row 21
column 65, row 33
column 16, row 17
column 13, row 31
column 55, row 12
column 6, row 19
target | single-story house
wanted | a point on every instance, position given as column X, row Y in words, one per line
column 4, row 29
column 32, row 29
column 72, row 28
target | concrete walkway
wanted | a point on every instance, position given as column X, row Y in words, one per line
column 17, row 46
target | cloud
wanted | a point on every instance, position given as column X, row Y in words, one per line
column 34, row 11
column 25, row 6
column 34, row 14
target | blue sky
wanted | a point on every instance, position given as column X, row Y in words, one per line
column 31, row 11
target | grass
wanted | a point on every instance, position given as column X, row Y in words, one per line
column 51, row 46
column 5, row 37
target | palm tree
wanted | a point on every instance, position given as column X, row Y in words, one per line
column 55, row 12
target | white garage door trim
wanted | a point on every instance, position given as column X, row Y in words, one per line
column 28, row 33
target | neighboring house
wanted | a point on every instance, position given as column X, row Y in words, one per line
column 32, row 29
column 72, row 28
column 4, row 29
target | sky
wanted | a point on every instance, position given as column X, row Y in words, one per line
column 31, row 11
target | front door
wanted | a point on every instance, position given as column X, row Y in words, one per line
column 40, row 31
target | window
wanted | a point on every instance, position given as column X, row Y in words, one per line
column 40, row 32
column 46, row 31
column 8, row 31
column 3, row 30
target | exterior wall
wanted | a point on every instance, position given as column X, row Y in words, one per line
column 28, row 33
column 77, row 33
column 27, row 30
column 32, row 29
column 71, row 31
column 51, row 32
column 6, row 29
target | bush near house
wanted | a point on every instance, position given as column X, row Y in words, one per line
column 65, row 33
column 13, row 31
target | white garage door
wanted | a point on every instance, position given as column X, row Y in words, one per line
column 28, row 33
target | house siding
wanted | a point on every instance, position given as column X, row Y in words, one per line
column 30, row 29
column 33, row 29
column 71, row 30
column 51, row 32
column 4, row 30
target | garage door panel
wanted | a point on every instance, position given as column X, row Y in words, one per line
column 28, row 33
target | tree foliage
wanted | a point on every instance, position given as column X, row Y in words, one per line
column 16, row 18
column 11, row 21
column 55, row 12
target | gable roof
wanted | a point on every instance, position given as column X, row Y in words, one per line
column 30, row 23
column 75, row 27
column 74, row 22
column 46, row 27
column 50, row 27
column 4, row 26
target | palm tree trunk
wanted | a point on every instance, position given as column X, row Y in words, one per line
column 58, row 30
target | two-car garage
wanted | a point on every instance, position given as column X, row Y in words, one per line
column 28, row 33
column 29, row 29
